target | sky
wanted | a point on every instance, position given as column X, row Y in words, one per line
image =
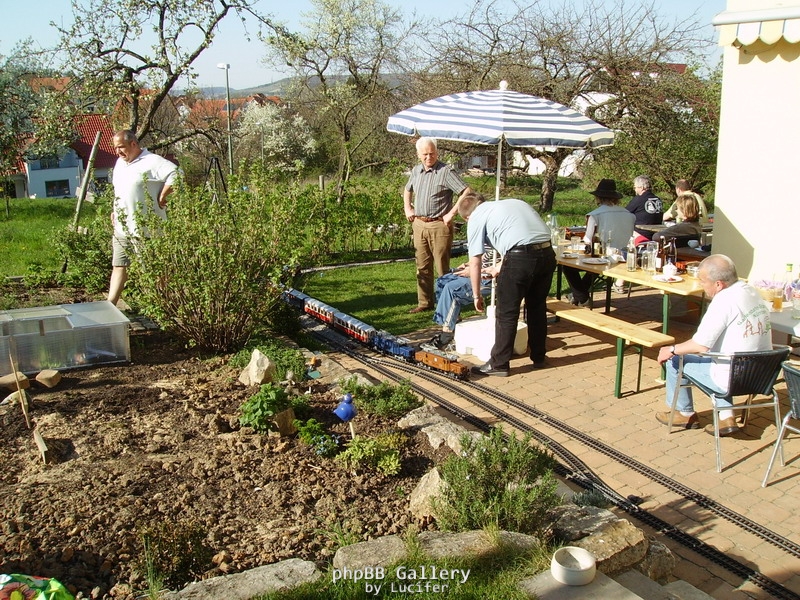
column 247, row 69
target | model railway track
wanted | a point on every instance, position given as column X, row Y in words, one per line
column 573, row 468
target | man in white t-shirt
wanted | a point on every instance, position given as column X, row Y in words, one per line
column 737, row 320
column 142, row 181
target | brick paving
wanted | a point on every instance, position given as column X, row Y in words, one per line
column 578, row 389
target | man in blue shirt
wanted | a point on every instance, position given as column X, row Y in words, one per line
column 520, row 236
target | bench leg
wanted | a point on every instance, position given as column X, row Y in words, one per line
column 640, row 350
column 620, row 355
column 620, row 358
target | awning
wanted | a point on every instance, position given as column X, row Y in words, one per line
column 768, row 26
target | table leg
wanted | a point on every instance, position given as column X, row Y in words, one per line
column 608, row 294
column 664, row 327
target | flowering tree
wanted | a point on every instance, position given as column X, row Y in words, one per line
column 129, row 55
column 340, row 59
column 271, row 136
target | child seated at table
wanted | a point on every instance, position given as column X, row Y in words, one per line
column 688, row 226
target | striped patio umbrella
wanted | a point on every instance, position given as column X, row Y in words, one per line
column 491, row 116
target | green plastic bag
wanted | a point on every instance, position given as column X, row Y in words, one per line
column 27, row 587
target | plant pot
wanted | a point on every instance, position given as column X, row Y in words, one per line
column 573, row 566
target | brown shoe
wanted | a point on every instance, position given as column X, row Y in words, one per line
column 679, row 420
column 726, row 427
column 418, row 309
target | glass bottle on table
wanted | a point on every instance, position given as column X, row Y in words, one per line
column 631, row 257
column 671, row 251
column 597, row 246
column 788, row 278
column 660, row 255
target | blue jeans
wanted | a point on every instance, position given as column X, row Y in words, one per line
column 699, row 369
column 453, row 292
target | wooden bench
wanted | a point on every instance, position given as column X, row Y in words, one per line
column 636, row 336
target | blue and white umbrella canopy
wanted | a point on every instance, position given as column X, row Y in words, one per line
column 487, row 117
column 494, row 115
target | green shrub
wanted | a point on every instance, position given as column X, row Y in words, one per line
column 174, row 553
column 380, row 453
column 496, row 482
column 591, row 498
column 384, row 399
column 212, row 271
column 88, row 251
column 258, row 410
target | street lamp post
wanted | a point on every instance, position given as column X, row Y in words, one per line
column 227, row 68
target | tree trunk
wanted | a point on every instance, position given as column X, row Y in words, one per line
column 552, row 164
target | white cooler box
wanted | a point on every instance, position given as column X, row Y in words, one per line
column 476, row 337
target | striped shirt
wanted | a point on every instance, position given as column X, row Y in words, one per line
column 433, row 189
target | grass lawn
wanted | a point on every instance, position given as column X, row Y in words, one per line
column 379, row 294
column 26, row 232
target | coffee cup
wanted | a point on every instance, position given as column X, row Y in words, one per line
column 670, row 270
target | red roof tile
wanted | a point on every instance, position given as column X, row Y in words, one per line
column 87, row 127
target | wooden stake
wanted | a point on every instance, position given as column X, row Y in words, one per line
column 37, row 437
column 23, row 397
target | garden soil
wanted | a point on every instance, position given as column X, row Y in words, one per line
column 156, row 445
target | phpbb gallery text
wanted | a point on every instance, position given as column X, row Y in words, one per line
column 409, row 580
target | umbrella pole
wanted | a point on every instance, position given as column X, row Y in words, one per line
column 496, row 197
column 497, row 170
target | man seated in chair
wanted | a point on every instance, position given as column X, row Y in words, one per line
column 454, row 290
column 737, row 320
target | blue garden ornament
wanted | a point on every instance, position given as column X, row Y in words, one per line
column 346, row 409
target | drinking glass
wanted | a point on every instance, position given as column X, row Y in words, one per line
column 796, row 304
column 649, row 258
column 777, row 299
column 576, row 243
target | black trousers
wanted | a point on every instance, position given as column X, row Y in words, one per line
column 580, row 282
column 525, row 275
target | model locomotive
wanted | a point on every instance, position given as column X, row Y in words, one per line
column 382, row 341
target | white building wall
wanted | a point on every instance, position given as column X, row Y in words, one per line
column 757, row 211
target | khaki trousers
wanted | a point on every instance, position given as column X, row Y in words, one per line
column 432, row 244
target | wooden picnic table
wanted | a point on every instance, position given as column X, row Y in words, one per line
column 687, row 286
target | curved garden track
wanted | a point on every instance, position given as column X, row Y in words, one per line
column 480, row 398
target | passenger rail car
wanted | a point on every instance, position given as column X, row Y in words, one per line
column 382, row 341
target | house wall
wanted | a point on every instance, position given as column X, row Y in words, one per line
column 757, row 211
column 70, row 170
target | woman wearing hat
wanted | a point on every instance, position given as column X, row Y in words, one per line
column 614, row 226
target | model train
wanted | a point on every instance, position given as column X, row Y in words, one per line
column 382, row 341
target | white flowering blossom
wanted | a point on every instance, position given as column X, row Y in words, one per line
column 271, row 134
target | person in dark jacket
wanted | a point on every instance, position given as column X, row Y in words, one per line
column 646, row 207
